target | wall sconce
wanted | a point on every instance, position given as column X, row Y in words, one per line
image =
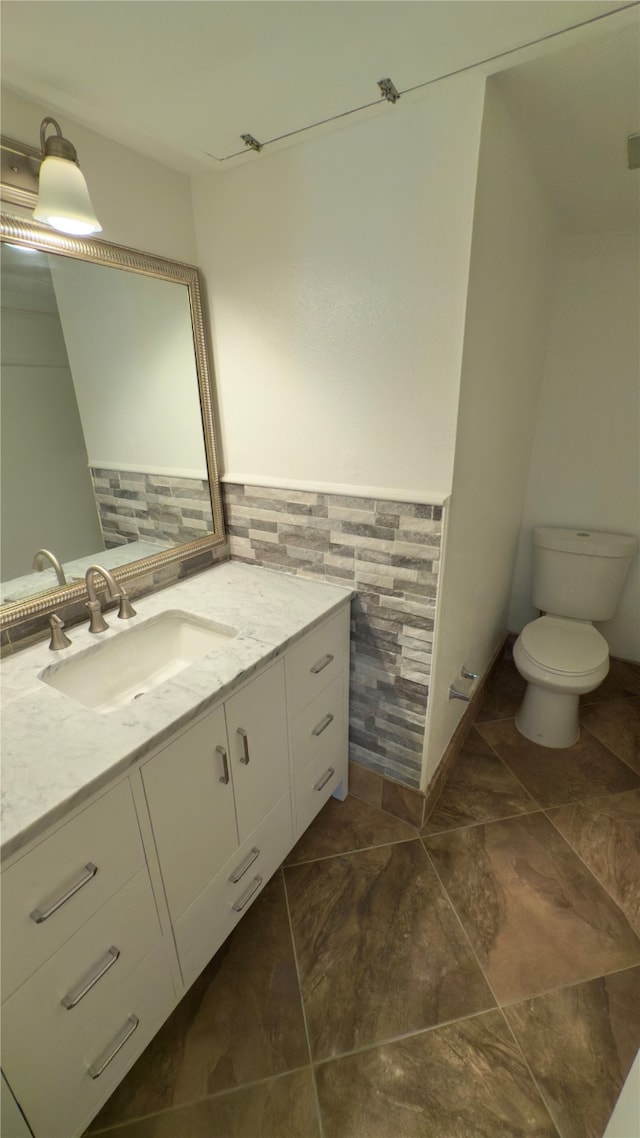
column 53, row 174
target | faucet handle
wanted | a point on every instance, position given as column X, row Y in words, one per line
column 59, row 639
column 126, row 610
column 97, row 623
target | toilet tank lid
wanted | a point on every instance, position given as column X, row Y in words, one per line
column 592, row 542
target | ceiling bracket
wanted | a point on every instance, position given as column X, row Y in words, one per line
column 389, row 90
column 252, row 142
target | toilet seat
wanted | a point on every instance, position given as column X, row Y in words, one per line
column 565, row 647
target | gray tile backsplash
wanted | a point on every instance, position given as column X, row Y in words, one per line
column 390, row 553
column 159, row 508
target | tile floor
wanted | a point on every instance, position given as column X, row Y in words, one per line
column 476, row 979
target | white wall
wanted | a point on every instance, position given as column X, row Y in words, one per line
column 337, row 275
column 505, row 334
column 139, row 202
column 585, row 467
column 130, row 346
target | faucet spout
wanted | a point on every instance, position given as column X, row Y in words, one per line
column 46, row 555
column 109, row 579
column 117, row 592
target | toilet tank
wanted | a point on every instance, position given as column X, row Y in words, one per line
column 579, row 573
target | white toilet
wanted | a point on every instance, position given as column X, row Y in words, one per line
column 577, row 577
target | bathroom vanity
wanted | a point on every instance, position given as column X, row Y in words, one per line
column 136, row 837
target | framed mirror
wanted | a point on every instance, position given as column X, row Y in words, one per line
column 108, row 449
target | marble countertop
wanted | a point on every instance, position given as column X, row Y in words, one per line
column 56, row 753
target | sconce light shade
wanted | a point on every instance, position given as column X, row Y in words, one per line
column 63, row 198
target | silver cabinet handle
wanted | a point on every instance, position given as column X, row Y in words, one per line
column 243, row 901
column 72, row 999
column 224, row 777
column 323, row 724
column 241, row 869
column 317, row 667
column 40, row 915
column 325, row 779
column 244, row 759
column 101, row 1064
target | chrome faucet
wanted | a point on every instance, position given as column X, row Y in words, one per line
column 46, row 555
column 117, row 592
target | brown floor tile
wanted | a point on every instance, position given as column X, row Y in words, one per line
column 365, row 784
column 342, row 827
column 279, row 1108
column 465, row 1080
column 504, row 693
column 623, row 679
column 580, row 1043
column 241, row 1021
column 555, row 777
column 479, row 789
column 616, row 723
column 605, row 833
column 379, row 950
column 403, row 802
column 534, row 914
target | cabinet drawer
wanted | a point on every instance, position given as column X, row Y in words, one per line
column 76, row 985
column 212, row 916
column 316, row 660
column 52, row 1081
column 314, row 786
column 55, row 888
column 318, row 733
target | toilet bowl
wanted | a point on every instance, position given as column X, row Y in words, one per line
column 561, row 659
column 578, row 576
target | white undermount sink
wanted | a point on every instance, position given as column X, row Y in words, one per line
column 122, row 668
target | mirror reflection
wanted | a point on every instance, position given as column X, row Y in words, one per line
column 102, row 448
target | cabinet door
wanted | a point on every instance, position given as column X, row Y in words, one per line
column 190, row 797
column 257, row 727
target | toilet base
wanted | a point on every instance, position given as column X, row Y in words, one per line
column 549, row 718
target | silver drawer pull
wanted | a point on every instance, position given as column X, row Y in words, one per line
column 325, row 779
column 224, row 777
column 101, row 1064
column 323, row 724
column 243, row 901
column 72, row 999
column 40, row 915
column 321, row 664
column 244, row 759
column 241, row 869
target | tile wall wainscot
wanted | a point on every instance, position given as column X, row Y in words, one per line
column 390, row 552
column 160, row 507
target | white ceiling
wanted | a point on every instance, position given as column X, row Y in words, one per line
column 181, row 80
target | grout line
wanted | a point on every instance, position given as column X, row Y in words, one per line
column 347, row 853
column 498, row 1007
column 485, row 822
column 543, row 1098
column 304, row 1010
column 574, row 984
column 194, row 1102
column 389, row 1040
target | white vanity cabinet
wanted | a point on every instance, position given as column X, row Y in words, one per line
column 86, row 970
column 219, row 806
column 318, row 699
column 112, row 914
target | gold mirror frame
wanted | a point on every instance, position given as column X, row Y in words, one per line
column 27, row 233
